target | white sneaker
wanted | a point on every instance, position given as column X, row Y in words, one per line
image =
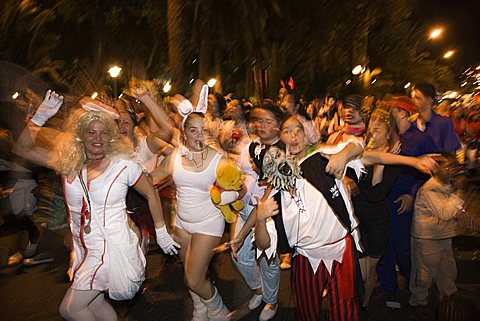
column 255, row 301
column 267, row 313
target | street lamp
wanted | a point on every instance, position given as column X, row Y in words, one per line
column 114, row 72
column 436, row 33
column 211, row 82
column 167, row 87
column 357, row 70
column 448, row 54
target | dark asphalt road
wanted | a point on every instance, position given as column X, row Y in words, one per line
column 34, row 293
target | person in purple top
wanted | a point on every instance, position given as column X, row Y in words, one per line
column 413, row 143
column 439, row 128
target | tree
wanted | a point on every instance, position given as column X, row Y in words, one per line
column 177, row 41
column 26, row 38
column 397, row 44
column 229, row 38
column 317, row 42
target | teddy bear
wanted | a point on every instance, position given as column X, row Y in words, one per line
column 229, row 178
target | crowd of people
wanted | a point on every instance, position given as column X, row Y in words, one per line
column 344, row 190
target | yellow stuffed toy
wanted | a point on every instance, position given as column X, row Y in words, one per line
column 229, row 178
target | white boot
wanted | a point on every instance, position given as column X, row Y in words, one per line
column 200, row 312
column 217, row 311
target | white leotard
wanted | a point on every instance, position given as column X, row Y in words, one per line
column 195, row 210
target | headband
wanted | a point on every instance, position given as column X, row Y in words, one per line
column 90, row 104
column 185, row 107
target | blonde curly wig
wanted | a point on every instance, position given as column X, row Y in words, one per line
column 71, row 151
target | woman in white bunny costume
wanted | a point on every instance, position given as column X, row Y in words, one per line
column 199, row 224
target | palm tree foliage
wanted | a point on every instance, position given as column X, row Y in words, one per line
column 317, row 42
column 27, row 37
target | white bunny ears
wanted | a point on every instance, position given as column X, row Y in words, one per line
column 185, row 107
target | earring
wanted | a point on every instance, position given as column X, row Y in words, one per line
column 112, row 140
column 78, row 139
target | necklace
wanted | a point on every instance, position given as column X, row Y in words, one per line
column 88, row 212
column 298, row 201
column 94, row 159
column 203, row 157
column 301, row 209
column 93, row 163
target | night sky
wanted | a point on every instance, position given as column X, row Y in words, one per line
column 461, row 20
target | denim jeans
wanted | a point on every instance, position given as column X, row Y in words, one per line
column 261, row 273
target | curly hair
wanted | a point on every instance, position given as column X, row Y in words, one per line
column 70, row 148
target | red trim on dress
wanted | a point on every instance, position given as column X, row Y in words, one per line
column 69, row 217
column 82, row 239
column 100, row 265
column 104, row 221
column 82, row 222
column 108, row 193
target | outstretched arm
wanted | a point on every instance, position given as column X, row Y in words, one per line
column 339, row 156
column 338, row 161
column 25, row 144
column 161, row 173
column 158, row 145
column 145, row 187
column 25, row 147
column 425, row 163
column 237, row 241
column 157, row 112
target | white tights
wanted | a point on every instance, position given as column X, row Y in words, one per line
column 86, row 306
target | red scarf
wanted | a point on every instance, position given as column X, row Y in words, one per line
column 355, row 131
column 349, row 130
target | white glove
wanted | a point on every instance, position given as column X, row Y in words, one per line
column 168, row 245
column 228, row 197
column 47, row 108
